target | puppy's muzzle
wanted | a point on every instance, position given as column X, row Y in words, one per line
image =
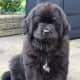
column 46, row 32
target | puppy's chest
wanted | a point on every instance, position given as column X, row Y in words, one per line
column 48, row 66
column 47, row 70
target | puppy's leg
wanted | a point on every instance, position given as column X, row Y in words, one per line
column 16, row 68
column 31, row 69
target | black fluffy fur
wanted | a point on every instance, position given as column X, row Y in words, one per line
column 6, row 76
column 39, row 47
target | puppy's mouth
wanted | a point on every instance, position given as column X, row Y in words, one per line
column 45, row 44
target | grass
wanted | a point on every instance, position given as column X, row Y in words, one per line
column 0, row 74
column 2, row 71
column 74, row 43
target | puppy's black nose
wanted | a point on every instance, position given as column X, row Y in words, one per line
column 46, row 32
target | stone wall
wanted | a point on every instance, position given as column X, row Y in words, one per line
column 11, row 25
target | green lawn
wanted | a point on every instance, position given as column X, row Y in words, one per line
column 2, row 71
column 0, row 74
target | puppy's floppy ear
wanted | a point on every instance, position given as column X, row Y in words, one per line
column 28, row 21
column 65, row 23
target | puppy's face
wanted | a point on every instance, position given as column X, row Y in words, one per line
column 46, row 27
column 45, row 34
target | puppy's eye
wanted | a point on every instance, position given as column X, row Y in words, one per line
column 36, row 24
column 36, row 21
column 32, row 56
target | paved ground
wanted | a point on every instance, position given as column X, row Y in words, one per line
column 10, row 46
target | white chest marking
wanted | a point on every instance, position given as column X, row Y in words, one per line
column 46, row 67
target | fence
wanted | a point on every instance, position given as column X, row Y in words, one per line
column 11, row 25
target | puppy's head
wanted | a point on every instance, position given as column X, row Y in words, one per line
column 46, row 25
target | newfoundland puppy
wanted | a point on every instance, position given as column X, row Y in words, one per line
column 46, row 47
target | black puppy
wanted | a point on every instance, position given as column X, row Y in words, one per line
column 6, row 76
column 46, row 46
